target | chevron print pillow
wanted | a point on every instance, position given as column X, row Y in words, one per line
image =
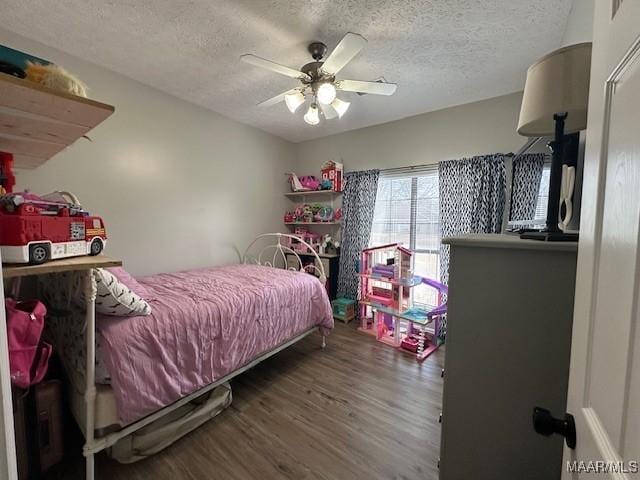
column 115, row 298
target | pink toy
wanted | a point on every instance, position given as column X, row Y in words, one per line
column 386, row 309
column 311, row 238
column 309, row 182
column 28, row 356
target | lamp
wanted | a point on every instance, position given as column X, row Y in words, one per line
column 312, row 117
column 293, row 101
column 340, row 106
column 555, row 100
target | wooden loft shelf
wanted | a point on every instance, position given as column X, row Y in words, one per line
column 62, row 265
column 36, row 122
column 313, row 193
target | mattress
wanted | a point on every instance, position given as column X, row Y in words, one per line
column 65, row 329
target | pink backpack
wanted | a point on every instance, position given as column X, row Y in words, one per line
column 28, row 356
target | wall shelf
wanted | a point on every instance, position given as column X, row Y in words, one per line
column 36, row 122
column 312, row 223
column 84, row 262
column 313, row 193
column 321, row 255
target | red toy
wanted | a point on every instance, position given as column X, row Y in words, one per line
column 7, row 179
column 37, row 229
column 333, row 171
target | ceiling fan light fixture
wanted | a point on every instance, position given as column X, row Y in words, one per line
column 340, row 106
column 293, row 101
column 326, row 93
column 319, row 80
column 312, row 117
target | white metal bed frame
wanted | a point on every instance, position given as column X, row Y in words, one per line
column 94, row 445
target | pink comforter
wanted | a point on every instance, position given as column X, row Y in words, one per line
column 205, row 324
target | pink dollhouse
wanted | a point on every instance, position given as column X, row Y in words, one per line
column 386, row 308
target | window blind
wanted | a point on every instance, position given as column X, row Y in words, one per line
column 407, row 211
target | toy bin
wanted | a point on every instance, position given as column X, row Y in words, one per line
column 344, row 309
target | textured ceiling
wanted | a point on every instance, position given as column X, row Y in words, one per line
column 439, row 52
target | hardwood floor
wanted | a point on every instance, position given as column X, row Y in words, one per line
column 357, row 410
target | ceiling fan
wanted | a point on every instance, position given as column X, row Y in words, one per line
column 319, row 81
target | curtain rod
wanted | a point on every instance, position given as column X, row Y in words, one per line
column 410, row 168
column 528, row 145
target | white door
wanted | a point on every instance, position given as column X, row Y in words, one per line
column 604, row 386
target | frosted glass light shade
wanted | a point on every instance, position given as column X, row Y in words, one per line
column 557, row 83
column 326, row 93
column 293, row 101
column 312, row 117
column 340, row 107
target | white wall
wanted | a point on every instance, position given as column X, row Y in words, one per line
column 178, row 186
column 580, row 23
column 476, row 128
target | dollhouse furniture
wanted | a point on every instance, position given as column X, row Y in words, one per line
column 386, row 309
column 344, row 309
column 508, row 347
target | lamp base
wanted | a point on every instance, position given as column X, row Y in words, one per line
column 546, row 236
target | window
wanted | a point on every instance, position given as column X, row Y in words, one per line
column 407, row 211
column 543, row 193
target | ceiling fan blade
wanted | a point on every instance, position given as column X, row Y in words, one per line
column 274, row 67
column 277, row 98
column 349, row 47
column 375, row 88
column 328, row 111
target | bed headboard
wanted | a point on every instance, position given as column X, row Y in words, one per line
column 270, row 249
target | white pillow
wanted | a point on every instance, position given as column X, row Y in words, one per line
column 115, row 298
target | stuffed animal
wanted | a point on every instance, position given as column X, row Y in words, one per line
column 56, row 78
column 326, row 184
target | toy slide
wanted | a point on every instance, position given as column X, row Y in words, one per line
column 442, row 290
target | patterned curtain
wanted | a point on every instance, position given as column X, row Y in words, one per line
column 527, row 172
column 358, row 204
column 472, row 199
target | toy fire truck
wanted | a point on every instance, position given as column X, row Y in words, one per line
column 36, row 229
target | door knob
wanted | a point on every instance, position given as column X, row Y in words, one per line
column 546, row 424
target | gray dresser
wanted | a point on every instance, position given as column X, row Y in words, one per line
column 507, row 350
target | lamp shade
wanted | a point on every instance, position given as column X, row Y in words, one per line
column 557, row 83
